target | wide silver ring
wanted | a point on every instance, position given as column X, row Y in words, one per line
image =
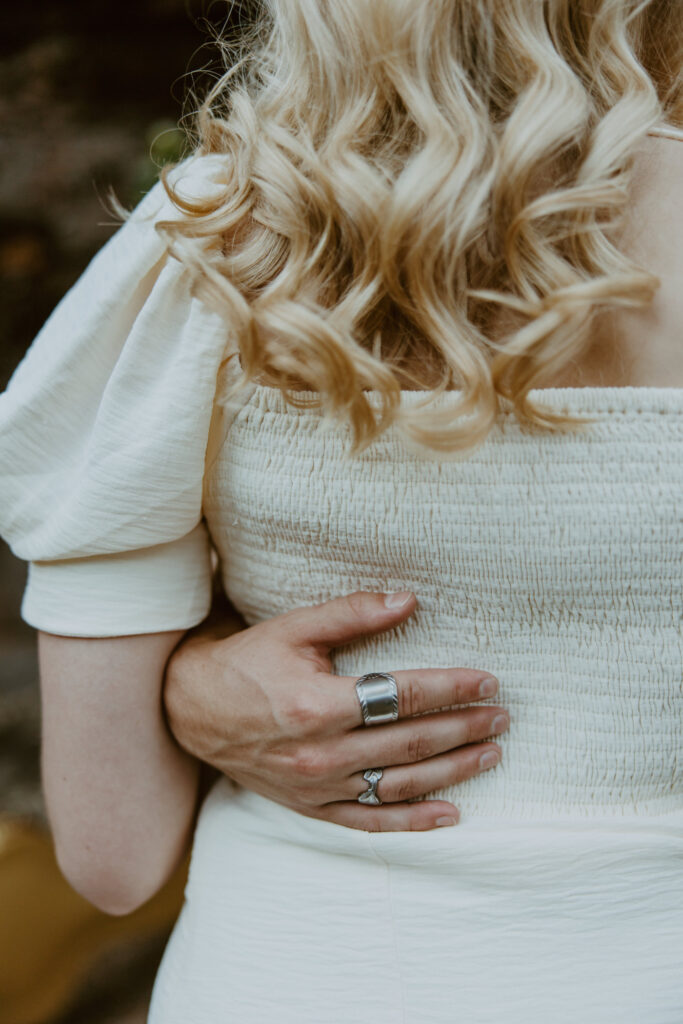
column 378, row 696
column 372, row 775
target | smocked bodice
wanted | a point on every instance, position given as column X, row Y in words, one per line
column 555, row 562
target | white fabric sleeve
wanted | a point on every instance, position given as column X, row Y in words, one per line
column 103, row 433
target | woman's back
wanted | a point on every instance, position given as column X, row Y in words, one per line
column 644, row 348
column 555, row 562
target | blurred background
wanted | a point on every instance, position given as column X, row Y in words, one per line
column 91, row 96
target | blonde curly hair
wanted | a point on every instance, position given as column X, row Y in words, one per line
column 442, row 179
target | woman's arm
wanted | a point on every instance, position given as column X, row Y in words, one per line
column 121, row 794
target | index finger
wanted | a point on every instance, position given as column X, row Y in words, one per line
column 420, row 690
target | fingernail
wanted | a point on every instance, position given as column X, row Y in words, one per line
column 488, row 687
column 499, row 723
column 397, row 600
column 488, row 759
column 441, row 822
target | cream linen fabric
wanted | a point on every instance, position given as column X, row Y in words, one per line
column 557, row 564
column 554, row 562
column 103, row 432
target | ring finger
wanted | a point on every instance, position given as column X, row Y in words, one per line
column 406, row 781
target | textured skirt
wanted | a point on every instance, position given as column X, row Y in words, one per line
column 300, row 921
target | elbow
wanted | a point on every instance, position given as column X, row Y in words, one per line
column 114, row 889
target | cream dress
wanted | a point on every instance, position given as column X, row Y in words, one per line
column 554, row 562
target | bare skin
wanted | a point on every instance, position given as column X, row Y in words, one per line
column 644, row 348
column 628, row 347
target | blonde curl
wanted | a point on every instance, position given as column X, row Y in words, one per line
column 436, row 180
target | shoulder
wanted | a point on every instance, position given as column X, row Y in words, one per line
column 654, row 214
column 657, row 186
column 649, row 339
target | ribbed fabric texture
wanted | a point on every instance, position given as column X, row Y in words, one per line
column 554, row 562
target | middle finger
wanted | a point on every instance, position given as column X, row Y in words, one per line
column 419, row 691
column 416, row 739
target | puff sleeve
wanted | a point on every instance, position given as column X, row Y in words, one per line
column 103, row 433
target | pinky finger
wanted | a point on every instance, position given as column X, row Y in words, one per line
column 395, row 817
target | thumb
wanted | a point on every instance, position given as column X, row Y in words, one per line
column 343, row 619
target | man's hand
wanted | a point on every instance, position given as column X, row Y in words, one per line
column 261, row 705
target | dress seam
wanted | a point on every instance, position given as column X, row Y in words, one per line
column 394, row 929
column 392, row 921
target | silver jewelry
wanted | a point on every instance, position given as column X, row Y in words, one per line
column 372, row 775
column 378, row 696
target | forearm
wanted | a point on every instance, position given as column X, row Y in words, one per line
column 121, row 794
column 191, row 674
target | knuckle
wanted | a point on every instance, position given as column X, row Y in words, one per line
column 310, row 764
column 357, row 603
column 413, row 697
column 291, row 628
column 464, row 689
column 474, row 727
column 419, row 747
column 406, row 790
column 304, row 714
column 465, row 764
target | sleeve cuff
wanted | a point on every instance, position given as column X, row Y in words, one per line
column 150, row 590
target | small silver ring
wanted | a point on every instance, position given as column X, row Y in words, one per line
column 369, row 796
column 378, row 696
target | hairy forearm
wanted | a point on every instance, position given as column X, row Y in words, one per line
column 121, row 794
column 189, row 672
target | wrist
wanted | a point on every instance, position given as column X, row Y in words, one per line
column 184, row 695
